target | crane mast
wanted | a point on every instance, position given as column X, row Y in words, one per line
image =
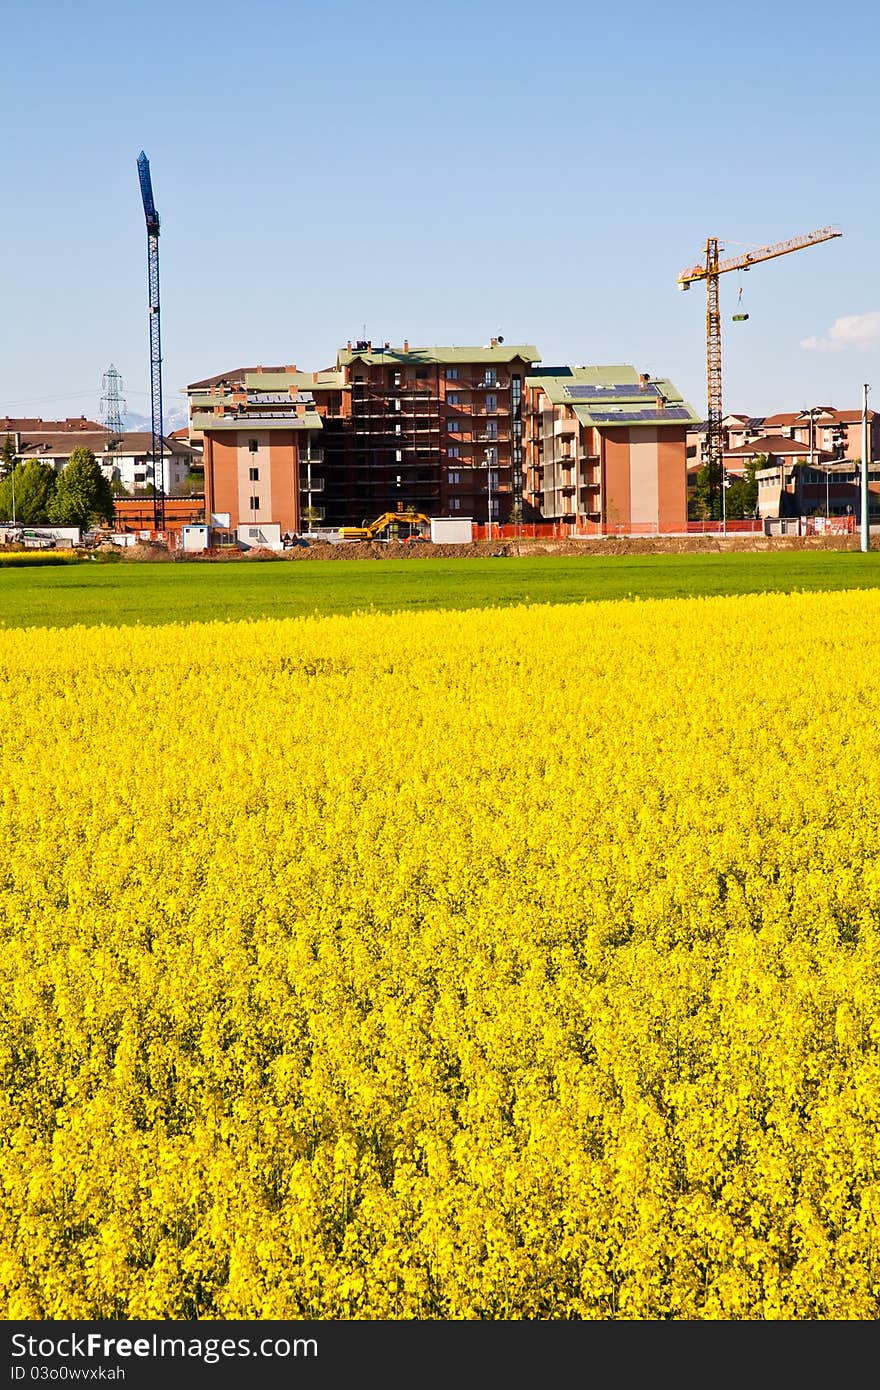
column 710, row 270
column 156, row 441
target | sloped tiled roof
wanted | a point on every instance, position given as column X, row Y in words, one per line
column 14, row 425
column 235, row 377
column 774, row 444
column 61, row 443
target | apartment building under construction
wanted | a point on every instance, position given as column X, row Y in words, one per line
column 467, row 431
column 436, row 430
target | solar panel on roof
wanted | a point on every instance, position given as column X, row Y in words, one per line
column 584, row 392
column 625, row 417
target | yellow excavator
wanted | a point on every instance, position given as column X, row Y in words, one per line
column 388, row 522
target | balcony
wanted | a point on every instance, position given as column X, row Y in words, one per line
column 317, row 485
column 501, row 384
column 316, row 456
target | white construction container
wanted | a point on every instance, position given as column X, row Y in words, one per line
column 452, row 530
column 194, row 538
column 263, row 535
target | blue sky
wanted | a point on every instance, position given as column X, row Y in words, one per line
column 442, row 173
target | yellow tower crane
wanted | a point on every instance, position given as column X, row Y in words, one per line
column 710, row 271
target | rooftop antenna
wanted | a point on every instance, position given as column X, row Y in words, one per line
column 157, row 445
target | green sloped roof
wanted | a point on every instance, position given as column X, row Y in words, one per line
column 616, row 396
column 440, row 356
column 555, row 386
column 634, row 414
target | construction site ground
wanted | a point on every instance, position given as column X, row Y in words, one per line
column 568, row 548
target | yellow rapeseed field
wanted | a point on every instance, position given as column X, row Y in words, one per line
column 511, row 964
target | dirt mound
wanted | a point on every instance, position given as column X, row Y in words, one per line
column 563, row 547
column 141, row 550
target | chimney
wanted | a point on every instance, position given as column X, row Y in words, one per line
column 291, row 367
column 406, row 344
column 493, row 342
column 643, row 380
column 348, row 346
column 369, row 345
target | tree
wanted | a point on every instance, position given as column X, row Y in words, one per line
column 34, row 484
column 7, row 457
column 742, row 494
column 193, row 483
column 82, row 493
column 704, row 506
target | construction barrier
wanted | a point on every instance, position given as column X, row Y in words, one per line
column 725, row 528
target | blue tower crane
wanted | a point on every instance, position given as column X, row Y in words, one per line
column 157, row 442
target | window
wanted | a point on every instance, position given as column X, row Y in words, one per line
column 253, row 445
column 453, row 451
column 254, row 475
column 398, row 454
column 491, row 404
column 454, row 477
column 490, row 377
column 421, row 374
column 255, row 504
column 455, row 504
column 452, row 398
column 491, row 429
column 454, row 426
column 452, row 374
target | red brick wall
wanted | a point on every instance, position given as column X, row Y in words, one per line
column 672, row 480
column 616, row 502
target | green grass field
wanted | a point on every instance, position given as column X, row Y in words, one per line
column 124, row 594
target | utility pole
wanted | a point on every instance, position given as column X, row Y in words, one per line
column 865, row 529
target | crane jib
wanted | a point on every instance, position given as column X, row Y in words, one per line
column 146, row 183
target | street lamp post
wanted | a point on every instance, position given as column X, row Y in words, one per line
column 725, row 484
column 865, row 529
column 489, row 481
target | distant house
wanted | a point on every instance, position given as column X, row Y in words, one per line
column 126, row 459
